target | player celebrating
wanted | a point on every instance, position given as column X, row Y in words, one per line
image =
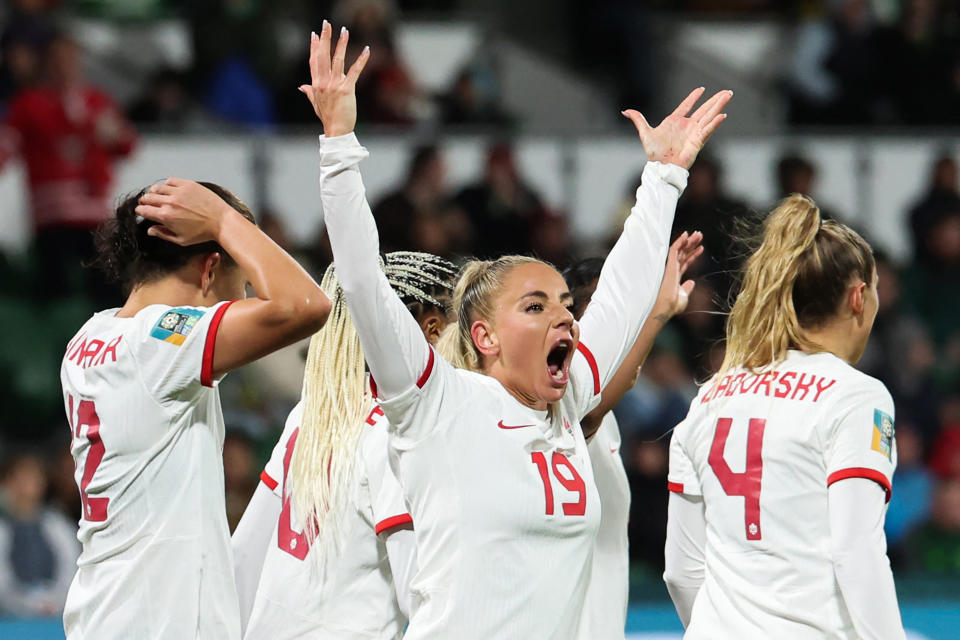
column 605, row 605
column 492, row 461
column 332, row 461
column 139, row 387
column 781, row 471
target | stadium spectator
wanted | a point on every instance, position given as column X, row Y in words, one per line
column 934, row 546
column 38, row 545
column 421, row 215
column 833, row 73
column 942, row 195
column 508, row 216
column 473, row 98
column 68, row 134
column 706, row 207
column 945, row 459
column 26, row 33
column 166, row 102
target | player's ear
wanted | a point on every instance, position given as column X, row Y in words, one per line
column 432, row 324
column 485, row 338
column 208, row 272
column 856, row 298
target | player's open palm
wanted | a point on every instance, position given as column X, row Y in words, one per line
column 331, row 91
column 679, row 138
column 187, row 212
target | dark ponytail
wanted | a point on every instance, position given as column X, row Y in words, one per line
column 127, row 254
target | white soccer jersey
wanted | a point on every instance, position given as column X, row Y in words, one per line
column 147, row 441
column 503, row 496
column 762, row 450
column 353, row 595
column 605, row 605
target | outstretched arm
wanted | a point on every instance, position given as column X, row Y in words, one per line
column 250, row 542
column 683, row 552
column 671, row 301
column 633, row 271
column 393, row 343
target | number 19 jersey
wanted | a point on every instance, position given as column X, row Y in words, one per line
column 762, row 449
column 147, row 441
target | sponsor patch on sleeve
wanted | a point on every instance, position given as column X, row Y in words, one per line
column 175, row 325
column 882, row 433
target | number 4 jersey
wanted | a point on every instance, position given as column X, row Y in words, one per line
column 147, row 441
column 762, row 450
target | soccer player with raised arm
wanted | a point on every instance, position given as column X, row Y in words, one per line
column 492, row 460
column 344, row 569
column 140, row 392
column 604, row 614
column 781, row 472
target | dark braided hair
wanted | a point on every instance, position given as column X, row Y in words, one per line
column 131, row 257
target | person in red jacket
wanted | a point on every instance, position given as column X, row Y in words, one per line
column 68, row 135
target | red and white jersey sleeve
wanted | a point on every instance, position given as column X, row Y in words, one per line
column 628, row 284
column 682, row 474
column 148, row 434
column 350, row 594
column 860, row 442
column 762, row 450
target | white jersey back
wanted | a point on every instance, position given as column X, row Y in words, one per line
column 504, row 502
column 762, row 450
column 605, row 605
column 352, row 596
column 147, row 441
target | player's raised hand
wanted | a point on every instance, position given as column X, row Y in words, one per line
column 187, row 212
column 331, row 91
column 674, row 292
column 679, row 138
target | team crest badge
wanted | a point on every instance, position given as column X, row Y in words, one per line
column 882, row 433
column 175, row 325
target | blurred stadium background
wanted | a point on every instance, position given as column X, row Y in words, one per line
column 493, row 126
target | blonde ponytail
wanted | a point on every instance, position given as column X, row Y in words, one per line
column 336, row 397
column 794, row 281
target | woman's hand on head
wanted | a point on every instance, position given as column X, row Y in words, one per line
column 331, row 91
column 186, row 212
column 679, row 138
column 674, row 292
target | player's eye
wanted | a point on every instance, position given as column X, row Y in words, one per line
column 534, row 307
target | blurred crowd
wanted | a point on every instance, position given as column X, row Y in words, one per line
column 68, row 134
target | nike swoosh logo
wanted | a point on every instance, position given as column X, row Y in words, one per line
column 518, row 426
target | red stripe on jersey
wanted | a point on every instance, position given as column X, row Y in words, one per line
column 394, row 521
column 267, row 480
column 206, row 368
column 426, row 371
column 676, row 487
column 861, row 472
column 582, row 348
column 373, row 387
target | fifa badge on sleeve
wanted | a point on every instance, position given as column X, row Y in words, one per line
column 882, row 433
column 176, row 325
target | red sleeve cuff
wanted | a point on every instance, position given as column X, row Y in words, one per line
column 267, row 480
column 206, row 368
column 392, row 522
column 582, row 348
column 862, row 472
column 675, row 487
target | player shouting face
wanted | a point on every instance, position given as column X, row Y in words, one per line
column 782, row 469
column 492, row 460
